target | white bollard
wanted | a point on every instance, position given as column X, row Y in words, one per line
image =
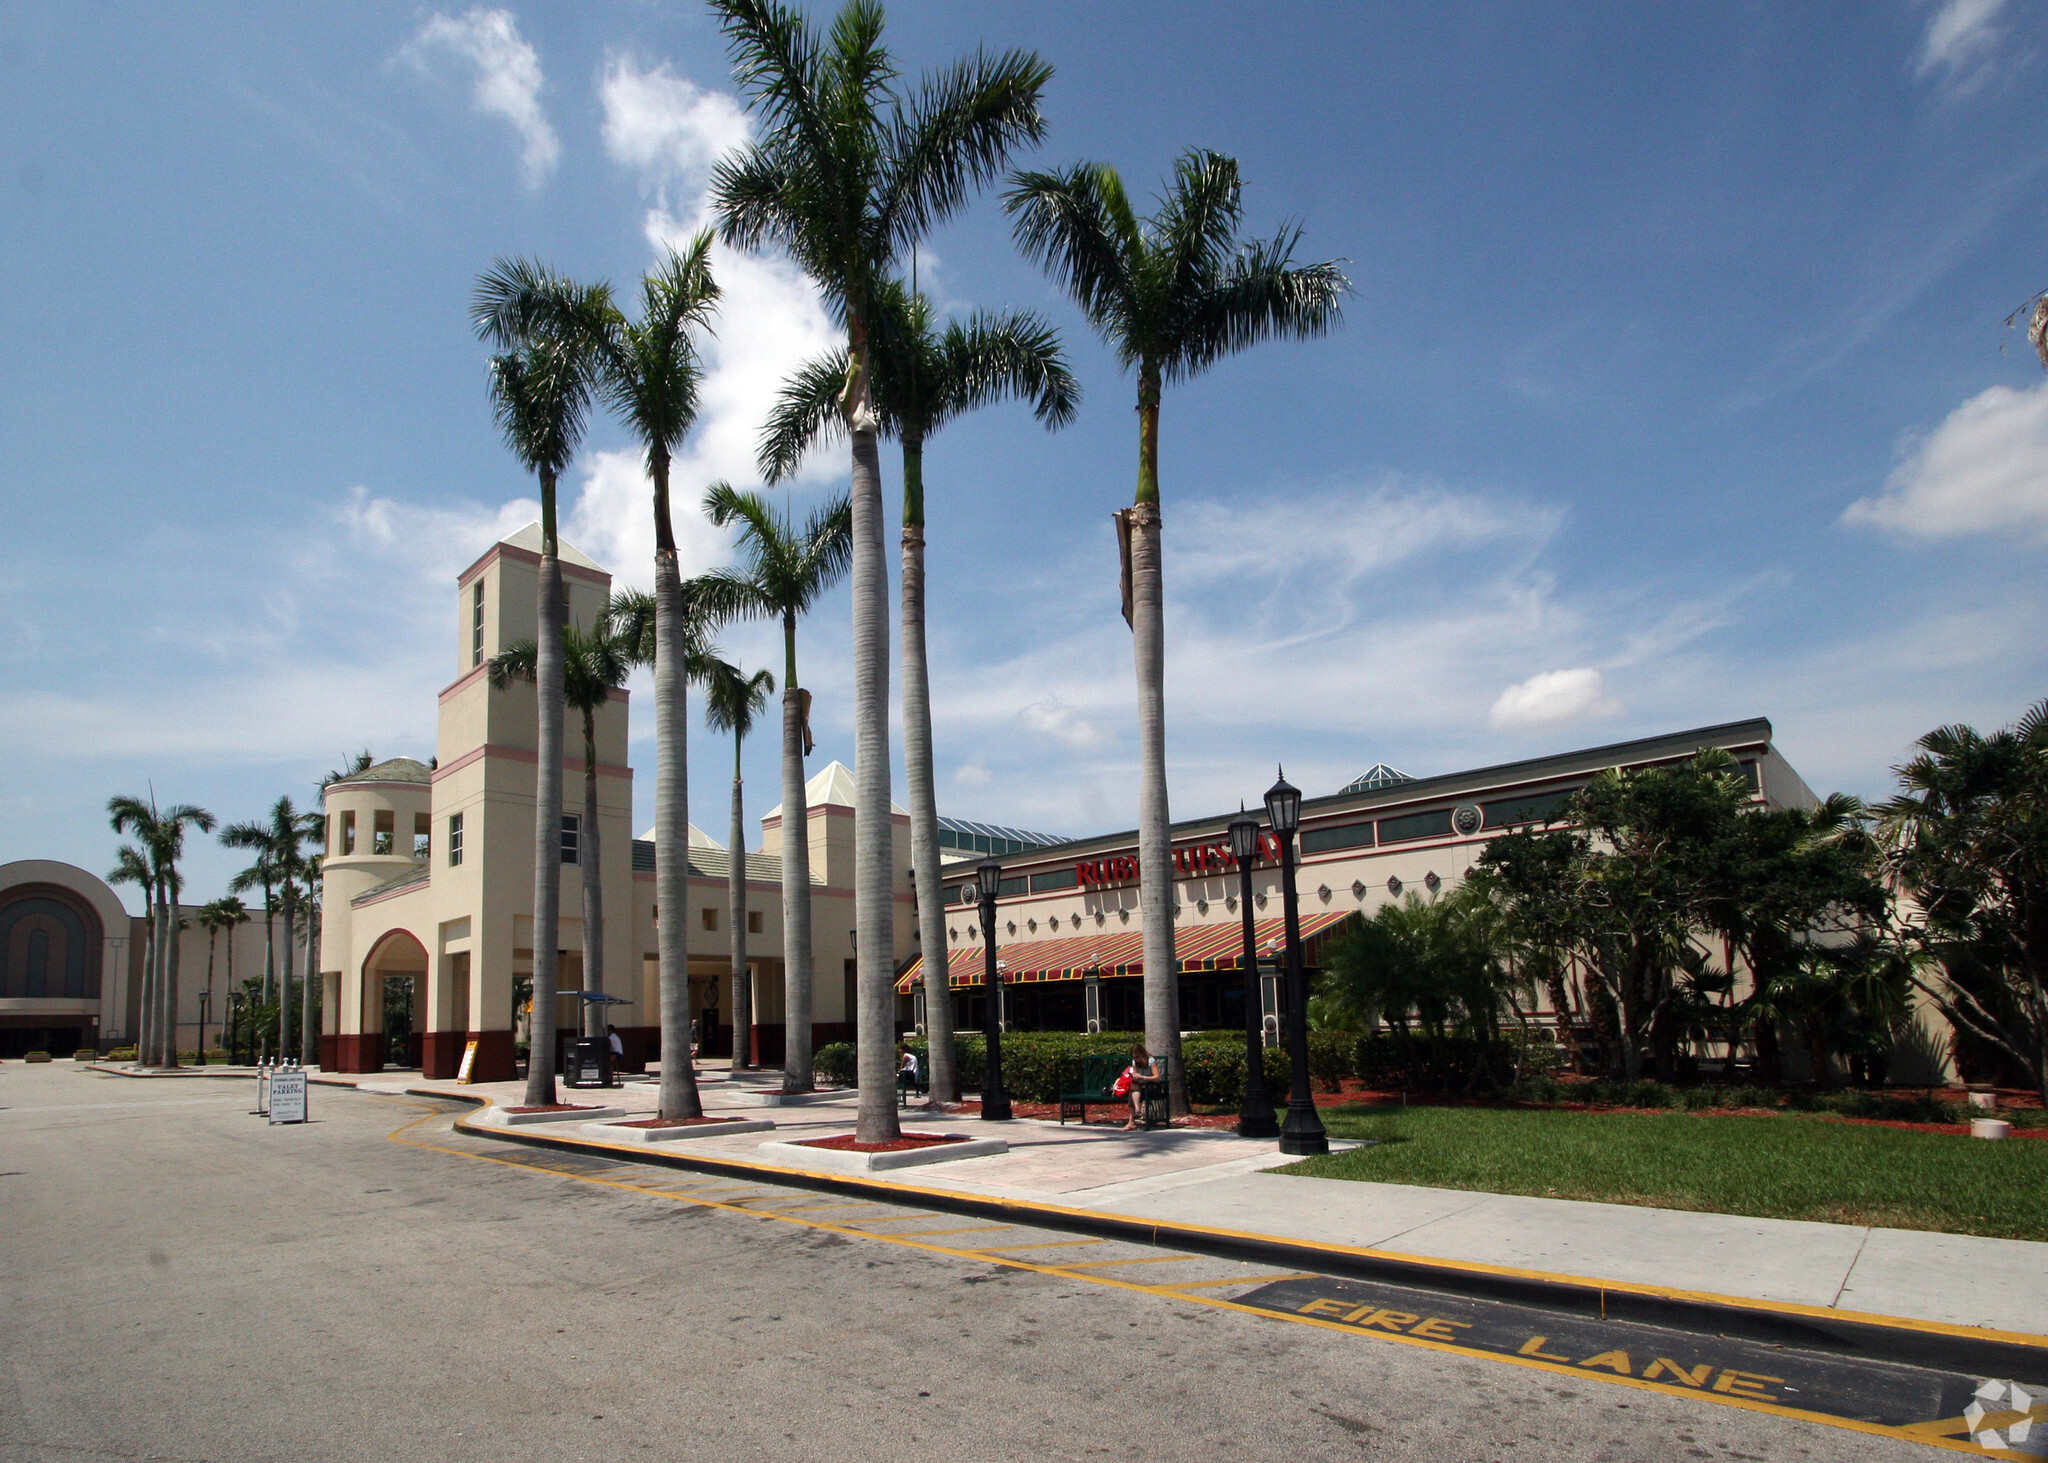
column 1984, row 1101
column 1990, row 1128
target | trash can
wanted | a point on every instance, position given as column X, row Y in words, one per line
column 590, row 1063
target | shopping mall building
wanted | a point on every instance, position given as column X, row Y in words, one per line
column 1070, row 946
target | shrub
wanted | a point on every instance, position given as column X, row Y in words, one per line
column 836, row 1062
column 1403, row 1060
column 35, row 1056
column 1037, row 1064
column 121, row 1054
column 86, row 1054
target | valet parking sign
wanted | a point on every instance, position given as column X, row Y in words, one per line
column 288, row 1096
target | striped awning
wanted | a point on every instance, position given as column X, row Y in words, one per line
column 1217, row 946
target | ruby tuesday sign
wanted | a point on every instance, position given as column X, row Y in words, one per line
column 1190, row 862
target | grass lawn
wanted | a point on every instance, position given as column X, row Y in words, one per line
column 1786, row 1167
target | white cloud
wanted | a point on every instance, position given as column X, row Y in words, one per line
column 668, row 131
column 508, row 78
column 1552, row 699
column 1961, row 42
column 972, row 774
column 1058, row 722
column 1983, row 470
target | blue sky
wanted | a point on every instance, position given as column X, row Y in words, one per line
column 1674, row 389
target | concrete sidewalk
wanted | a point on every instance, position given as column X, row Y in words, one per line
column 1210, row 1180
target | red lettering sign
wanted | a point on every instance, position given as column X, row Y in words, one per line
column 1191, row 861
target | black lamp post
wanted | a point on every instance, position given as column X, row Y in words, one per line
column 1255, row 1111
column 995, row 1102
column 1303, row 1132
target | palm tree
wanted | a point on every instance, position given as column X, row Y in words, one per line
column 224, row 913
column 848, row 175
column 281, row 868
column 132, row 866
column 595, row 663
column 786, row 570
column 161, row 833
column 540, row 394
column 651, row 376
column 261, row 874
column 1172, row 294
column 732, row 699
column 922, row 380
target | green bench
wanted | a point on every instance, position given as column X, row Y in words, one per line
column 1096, row 1083
column 920, row 1085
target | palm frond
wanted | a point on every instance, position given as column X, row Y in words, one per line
column 999, row 354
column 955, row 136
column 1066, row 223
column 806, row 416
column 1260, row 297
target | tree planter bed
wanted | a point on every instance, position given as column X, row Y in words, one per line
column 842, row 1154
column 773, row 1098
column 669, row 1130
column 519, row 1117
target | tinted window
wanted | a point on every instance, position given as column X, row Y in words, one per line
column 1537, row 808
column 1347, row 835
column 1057, row 879
column 1416, row 825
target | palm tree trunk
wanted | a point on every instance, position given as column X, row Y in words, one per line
column 797, row 1075
column 736, row 912
column 269, row 947
column 284, row 991
column 145, row 1001
column 547, row 813
column 1155, row 836
column 153, row 1001
column 924, row 812
column 593, row 886
column 170, row 986
column 874, row 833
column 679, row 1096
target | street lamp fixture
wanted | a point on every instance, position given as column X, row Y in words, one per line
column 995, row 1102
column 1302, row 1133
column 1255, row 1117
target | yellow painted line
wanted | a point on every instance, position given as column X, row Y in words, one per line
column 971, row 1229
column 814, row 1208
column 1239, row 1280
column 1912, row 1433
column 1150, row 1260
column 1057, row 1244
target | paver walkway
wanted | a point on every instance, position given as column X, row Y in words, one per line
column 1216, row 1180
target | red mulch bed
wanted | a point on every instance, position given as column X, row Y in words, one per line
column 847, row 1143
column 672, row 1122
column 557, row 1107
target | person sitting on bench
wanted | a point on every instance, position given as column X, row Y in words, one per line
column 1141, row 1070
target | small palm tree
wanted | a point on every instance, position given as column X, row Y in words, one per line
column 161, row 833
column 732, row 699
column 223, row 913
column 132, row 866
column 848, row 174
column 595, row 663
column 280, row 844
column 260, row 875
column 785, row 571
column 540, row 394
column 923, row 379
column 1172, row 295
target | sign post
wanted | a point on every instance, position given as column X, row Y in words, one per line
column 288, row 1095
column 462, row 1073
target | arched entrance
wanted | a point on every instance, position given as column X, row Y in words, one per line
column 394, row 997
column 51, row 945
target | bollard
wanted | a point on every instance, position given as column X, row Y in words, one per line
column 1990, row 1128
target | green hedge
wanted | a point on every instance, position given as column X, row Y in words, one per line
column 1391, row 1060
column 1896, row 1107
column 835, row 1062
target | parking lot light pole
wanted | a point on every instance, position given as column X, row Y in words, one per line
column 1255, row 1117
column 995, row 1102
column 1302, row 1133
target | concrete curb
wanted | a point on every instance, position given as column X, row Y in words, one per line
column 846, row 1160
column 1902, row 1339
column 615, row 1132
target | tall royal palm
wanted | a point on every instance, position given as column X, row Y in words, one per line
column 848, row 174
column 651, row 375
column 225, row 913
column 261, row 875
column 595, row 664
column 732, row 699
column 279, row 843
column 540, row 393
column 1172, row 294
column 161, row 832
column 784, row 571
column 922, row 380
